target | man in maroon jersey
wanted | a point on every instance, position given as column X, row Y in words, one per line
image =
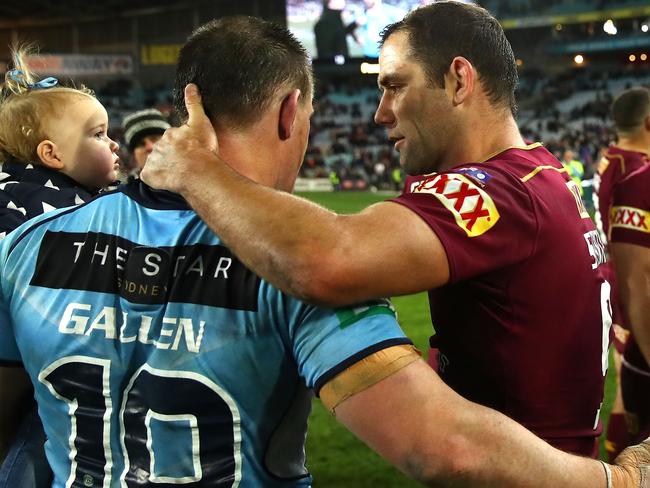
column 498, row 234
column 631, row 114
column 630, row 247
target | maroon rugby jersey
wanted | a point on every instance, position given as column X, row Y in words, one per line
column 519, row 326
column 630, row 223
column 615, row 164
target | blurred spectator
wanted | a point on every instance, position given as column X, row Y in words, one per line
column 574, row 167
column 142, row 130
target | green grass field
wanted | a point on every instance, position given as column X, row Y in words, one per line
column 337, row 459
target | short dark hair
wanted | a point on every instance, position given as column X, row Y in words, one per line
column 443, row 30
column 239, row 63
column 630, row 109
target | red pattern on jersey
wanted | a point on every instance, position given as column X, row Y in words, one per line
column 440, row 185
column 630, row 206
column 519, row 326
column 629, row 217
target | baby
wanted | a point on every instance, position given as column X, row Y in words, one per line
column 54, row 147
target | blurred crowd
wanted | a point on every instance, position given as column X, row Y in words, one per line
column 568, row 112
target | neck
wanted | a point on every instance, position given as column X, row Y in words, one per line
column 252, row 152
column 633, row 143
column 480, row 140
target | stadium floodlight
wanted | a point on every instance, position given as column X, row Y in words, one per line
column 632, row 58
column 645, row 27
column 610, row 28
column 579, row 59
column 643, row 57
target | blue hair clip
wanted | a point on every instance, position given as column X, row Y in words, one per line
column 14, row 74
column 49, row 82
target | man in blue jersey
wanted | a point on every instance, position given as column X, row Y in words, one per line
column 159, row 359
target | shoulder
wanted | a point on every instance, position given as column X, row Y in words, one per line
column 637, row 178
column 622, row 161
column 633, row 188
column 475, row 205
column 614, row 154
column 488, row 181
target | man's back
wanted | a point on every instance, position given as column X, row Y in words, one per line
column 157, row 355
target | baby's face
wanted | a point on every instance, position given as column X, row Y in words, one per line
column 86, row 152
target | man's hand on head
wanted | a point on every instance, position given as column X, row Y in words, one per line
column 183, row 153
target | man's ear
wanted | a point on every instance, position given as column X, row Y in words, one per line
column 646, row 122
column 460, row 80
column 288, row 111
column 48, row 154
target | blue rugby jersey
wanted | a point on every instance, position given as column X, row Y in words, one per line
column 157, row 357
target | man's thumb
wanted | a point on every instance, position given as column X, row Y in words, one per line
column 195, row 113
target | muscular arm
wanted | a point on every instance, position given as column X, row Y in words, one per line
column 14, row 390
column 299, row 247
column 315, row 254
column 632, row 263
column 435, row 436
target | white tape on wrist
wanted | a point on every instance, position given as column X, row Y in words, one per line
column 608, row 474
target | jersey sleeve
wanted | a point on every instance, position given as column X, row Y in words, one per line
column 483, row 218
column 325, row 341
column 630, row 212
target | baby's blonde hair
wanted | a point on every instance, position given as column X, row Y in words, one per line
column 25, row 106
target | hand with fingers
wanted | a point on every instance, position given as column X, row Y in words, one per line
column 631, row 468
column 183, row 152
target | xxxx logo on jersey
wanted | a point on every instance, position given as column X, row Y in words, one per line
column 631, row 218
column 473, row 209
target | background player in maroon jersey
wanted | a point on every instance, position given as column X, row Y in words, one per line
column 499, row 236
column 631, row 114
column 630, row 247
